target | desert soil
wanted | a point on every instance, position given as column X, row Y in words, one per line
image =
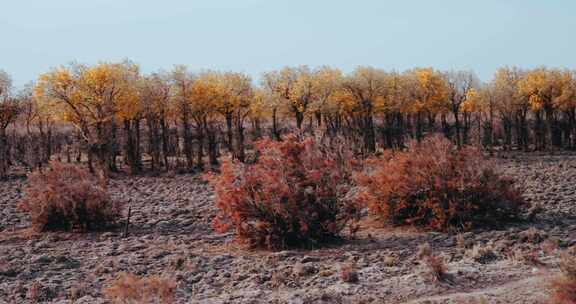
column 171, row 235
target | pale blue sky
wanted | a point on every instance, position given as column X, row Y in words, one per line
column 253, row 36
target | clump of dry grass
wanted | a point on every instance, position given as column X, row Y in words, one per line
column 129, row 288
column 349, row 274
column 391, row 260
column 38, row 293
column 549, row 246
column 435, row 265
column 529, row 257
column 481, row 253
column 532, row 235
column 563, row 287
column 460, row 241
column 480, row 300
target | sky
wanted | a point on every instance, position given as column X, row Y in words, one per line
column 254, row 36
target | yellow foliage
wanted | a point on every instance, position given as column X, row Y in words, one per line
column 472, row 102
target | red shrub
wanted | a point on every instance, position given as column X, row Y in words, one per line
column 67, row 197
column 292, row 195
column 436, row 186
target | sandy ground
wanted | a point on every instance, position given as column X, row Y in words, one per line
column 171, row 235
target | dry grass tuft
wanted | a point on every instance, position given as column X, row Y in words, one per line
column 435, row 266
column 128, row 288
column 349, row 274
column 563, row 287
column 481, row 253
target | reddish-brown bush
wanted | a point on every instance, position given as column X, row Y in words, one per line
column 292, row 195
column 563, row 287
column 67, row 197
column 436, row 186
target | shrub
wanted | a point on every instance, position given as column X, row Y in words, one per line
column 434, row 185
column 67, row 197
column 293, row 194
column 563, row 287
column 128, row 288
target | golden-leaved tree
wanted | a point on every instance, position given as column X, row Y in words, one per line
column 459, row 84
column 91, row 98
column 182, row 81
column 235, row 95
column 547, row 91
column 205, row 94
column 361, row 92
column 428, row 92
column 155, row 92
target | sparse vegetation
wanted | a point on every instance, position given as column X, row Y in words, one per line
column 67, row 197
column 403, row 162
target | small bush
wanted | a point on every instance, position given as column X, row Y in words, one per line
column 292, row 195
column 434, row 185
column 128, row 288
column 563, row 287
column 67, row 197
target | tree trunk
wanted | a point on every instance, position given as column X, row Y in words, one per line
column 3, row 154
column 200, row 152
column 229, row 132
column 275, row 131
column 130, row 147
column 212, row 145
column 368, row 134
column 165, row 138
column 299, row 119
column 101, row 153
column 187, row 137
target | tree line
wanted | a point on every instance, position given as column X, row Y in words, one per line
column 112, row 115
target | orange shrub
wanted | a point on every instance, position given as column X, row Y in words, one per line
column 292, row 195
column 67, row 197
column 436, row 186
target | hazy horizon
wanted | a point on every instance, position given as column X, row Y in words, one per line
column 254, row 36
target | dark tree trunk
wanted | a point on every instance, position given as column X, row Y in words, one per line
column 187, row 137
column 165, row 138
column 299, row 119
column 275, row 131
column 3, row 154
column 229, row 132
column 130, row 147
